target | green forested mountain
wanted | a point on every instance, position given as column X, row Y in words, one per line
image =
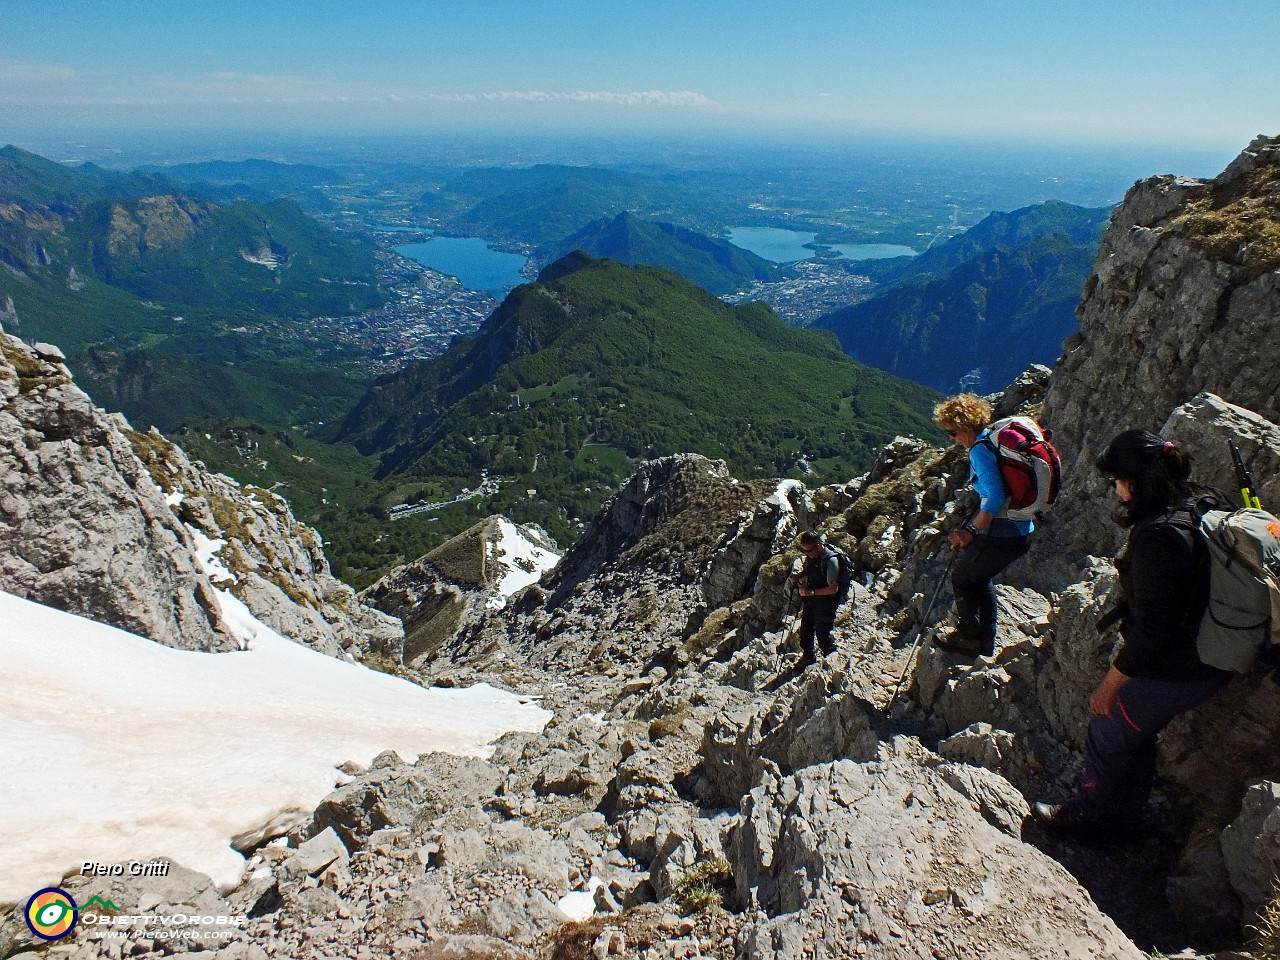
column 542, row 205
column 169, row 305
column 979, row 309
column 715, row 265
column 574, row 378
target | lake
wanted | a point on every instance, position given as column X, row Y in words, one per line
column 476, row 265
column 788, row 246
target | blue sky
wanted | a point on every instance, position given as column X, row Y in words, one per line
column 1194, row 73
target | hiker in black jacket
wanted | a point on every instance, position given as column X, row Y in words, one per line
column 819, row 586
column 1157, row 674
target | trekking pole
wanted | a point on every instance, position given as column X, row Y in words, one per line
column 1243, row 480
column 924, row 620
column 789, row 623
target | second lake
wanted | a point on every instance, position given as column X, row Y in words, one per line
column 788, row 246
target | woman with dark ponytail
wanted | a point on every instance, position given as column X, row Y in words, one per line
column 1157, row 674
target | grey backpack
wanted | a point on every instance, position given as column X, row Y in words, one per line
column 1243, row 616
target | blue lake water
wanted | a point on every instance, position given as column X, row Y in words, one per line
column 872, row 251
column 476, row 265
column 788, row 246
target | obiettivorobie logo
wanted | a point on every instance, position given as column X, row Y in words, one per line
column 52, row 913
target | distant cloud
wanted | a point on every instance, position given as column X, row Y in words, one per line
column 28, row 84
column 14, row 71
column 664, row 98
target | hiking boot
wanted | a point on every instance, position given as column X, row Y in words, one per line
column 956, row 642
column 1067, row 821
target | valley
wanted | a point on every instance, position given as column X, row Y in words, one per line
column 260, row 386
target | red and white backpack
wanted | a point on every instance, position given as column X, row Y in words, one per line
column 1029, row 465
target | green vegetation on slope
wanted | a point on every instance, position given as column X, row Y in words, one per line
column 573, row 381
column 715, row 265
column 543, row 204
column 979, row 309
column 171, row 307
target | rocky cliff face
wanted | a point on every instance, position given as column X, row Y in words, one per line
column 267, row 558
column 82, row 525
column 121, row 527
column 643, row 577
column 1182, row 300
column 459, row 583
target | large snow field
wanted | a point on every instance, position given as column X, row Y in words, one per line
column 116, row 748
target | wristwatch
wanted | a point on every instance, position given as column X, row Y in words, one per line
column 973, row 531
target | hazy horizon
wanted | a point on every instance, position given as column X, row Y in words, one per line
column 1091, row 75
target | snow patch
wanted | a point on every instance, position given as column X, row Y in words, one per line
column 206, row 557
column 581, row 904
column 781, row 497
column 118, row 748
column 263, row 257
column 521, row 561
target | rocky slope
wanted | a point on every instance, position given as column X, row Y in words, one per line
column 439, row 594
column 1182, row 300
column 82, row 526
column 121, row 527
column 696, row 795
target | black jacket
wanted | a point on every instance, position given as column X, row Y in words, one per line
column 821, row 571
column 1164, row 581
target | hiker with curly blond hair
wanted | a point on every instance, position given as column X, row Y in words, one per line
column 990, row 541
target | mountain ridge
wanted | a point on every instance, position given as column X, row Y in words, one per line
column 977, row 310
column 634, row 360
column 716, row 265
column 127, row 272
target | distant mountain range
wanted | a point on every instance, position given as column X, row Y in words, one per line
column 261, row 180
column 258, row 173
column 171, row 305
column 599, row 364
column 715, row 265
column 976, row 311
column 542, row 205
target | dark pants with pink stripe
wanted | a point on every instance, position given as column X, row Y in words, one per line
column 1120, row 755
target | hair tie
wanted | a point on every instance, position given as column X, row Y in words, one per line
column 1167, row 446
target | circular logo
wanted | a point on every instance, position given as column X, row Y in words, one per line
column 51, row 913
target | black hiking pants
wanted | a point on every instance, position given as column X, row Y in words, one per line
column 971, row 575
column 817, row 618
column 1120, row 753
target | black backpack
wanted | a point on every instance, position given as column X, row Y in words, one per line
column 846, row 571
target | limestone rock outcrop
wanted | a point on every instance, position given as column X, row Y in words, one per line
column 1181, row 300
column 82, row 526
column 458, row 583
column 120, row 526
column 261, row 553
column 647, row 570
column 899, row 859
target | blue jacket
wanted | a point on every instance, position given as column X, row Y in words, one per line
column 993, row 496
